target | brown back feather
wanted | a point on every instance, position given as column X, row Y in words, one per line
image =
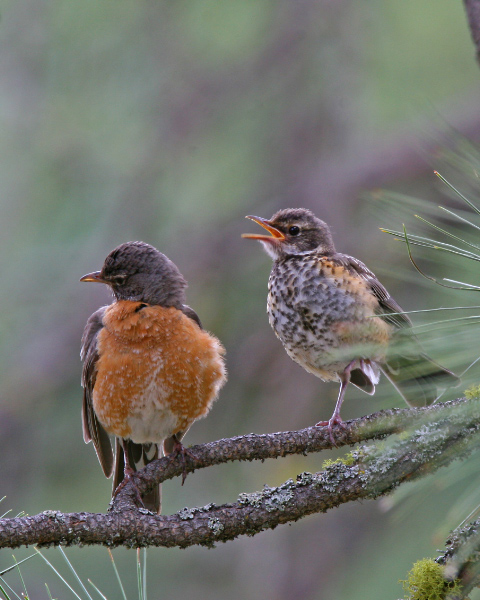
column 92, row 429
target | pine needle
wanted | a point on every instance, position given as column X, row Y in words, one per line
column 424, row 242
column 144, row 552
column 139, row 576
column 459, row 194
column 429, row 277
column 469, row 285
column 10, row 588
column 428, row 310
column 460, row 218
column 17, row 565
column 97, row 590
column 117, row 575
column 58, row 574
column 448, row 233
column 446, row 321
column 74, row 572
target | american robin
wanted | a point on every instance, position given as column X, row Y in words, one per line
column 334, row 317
column 149, row 369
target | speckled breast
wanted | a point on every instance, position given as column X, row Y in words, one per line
column 323, row 315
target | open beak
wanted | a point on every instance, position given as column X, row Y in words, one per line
column 96, row 277
column 276, row 235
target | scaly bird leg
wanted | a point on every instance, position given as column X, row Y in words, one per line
column 128, row 471
column 180, row 450
column 336, row 419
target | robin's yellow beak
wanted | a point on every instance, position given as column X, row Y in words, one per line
column 276, row 235
column 96, row 277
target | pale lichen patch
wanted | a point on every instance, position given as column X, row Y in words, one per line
column 215, row 526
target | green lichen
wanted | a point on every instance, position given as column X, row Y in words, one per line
column 426, row 582
column 347, row 460
column 473, row 392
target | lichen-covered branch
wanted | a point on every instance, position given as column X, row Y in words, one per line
column 274, row 445
column 428, row 439
column 472, row 8
column 454, row 574
column 462, row 557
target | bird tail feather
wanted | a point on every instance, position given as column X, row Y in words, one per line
column 419, row 379
column 139, row 456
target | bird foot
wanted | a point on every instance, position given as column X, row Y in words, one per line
column 334, row 420
column 128, row 472
column 180, row 450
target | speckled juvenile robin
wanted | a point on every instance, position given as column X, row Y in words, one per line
column 150, row 370
column 334, row 318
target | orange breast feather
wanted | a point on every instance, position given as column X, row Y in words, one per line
column 157, row 373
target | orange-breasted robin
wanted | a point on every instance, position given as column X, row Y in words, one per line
column 335, row 318
column 149, row 369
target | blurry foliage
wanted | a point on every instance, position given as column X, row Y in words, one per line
column 63, row 576
column 168, row 122
column 453, row 262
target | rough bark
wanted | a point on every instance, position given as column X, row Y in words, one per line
column 420, row 441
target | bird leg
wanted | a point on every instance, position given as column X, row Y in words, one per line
column 180, row 450
column 128, row 471
column 336, row 419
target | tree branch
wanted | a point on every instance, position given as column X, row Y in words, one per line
column 430, row 438
column 274, row 445
column 462, row 556
column 472, row 8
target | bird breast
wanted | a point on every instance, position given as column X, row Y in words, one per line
column 157, row 372
column 323, row 315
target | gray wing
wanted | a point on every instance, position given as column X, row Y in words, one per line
column 92, row 429
column 189, row 312
column 415, row 375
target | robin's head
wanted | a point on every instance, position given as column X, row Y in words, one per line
column 139, row 272
column 293, row 231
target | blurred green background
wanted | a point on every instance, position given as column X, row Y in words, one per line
column 169, row 122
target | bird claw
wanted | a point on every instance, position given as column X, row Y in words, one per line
column 334, row 420
column 180, row 450
column 128, row 472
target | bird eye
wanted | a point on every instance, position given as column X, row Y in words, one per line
column 119, row 279
column 294, row 230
